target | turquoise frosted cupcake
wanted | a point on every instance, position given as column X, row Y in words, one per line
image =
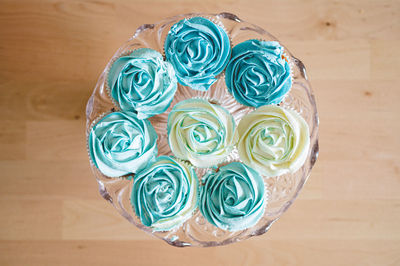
column 233, row 198
column 258, row 73
column 120, row 144
column 199, row 50
column 201, row 132
column 142, row 82
column 165, row 194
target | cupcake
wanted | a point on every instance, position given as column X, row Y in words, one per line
column 273, row 140
column 142, row 82
column 120, row 143
column 258, row 73
column 233, row 198
column 164, row 195
column 201, row 132
column 199, row 50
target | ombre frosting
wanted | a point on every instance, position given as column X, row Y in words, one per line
column 199, row 50
column 273, row 140
column 258, row 74
column 233, row 198
column 165, row 194
column 142, row 82
column 120, row 143
column 201, row 132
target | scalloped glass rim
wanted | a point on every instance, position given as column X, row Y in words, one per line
column 281, row 190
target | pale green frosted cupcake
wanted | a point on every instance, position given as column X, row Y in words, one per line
column 201, row 132
column 273, row 140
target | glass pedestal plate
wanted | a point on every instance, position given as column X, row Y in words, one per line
column 281, row 190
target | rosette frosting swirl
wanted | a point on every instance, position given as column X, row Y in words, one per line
column 258, row 74
column 233, row 198
column 165, row 194
column 273, row 140
column 142, row 82
column 199, row 50
column 120, row 144
column 201, row 132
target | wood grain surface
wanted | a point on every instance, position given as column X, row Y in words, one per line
column 51, row 54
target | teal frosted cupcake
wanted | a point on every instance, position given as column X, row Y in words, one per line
column 142, row 82
column 165, row 194
column 120, row 144
column 233, row 198
column 258, row 73
column 201, row 132
column 199, row 50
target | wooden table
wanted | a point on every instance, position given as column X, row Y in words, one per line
column 52, row 53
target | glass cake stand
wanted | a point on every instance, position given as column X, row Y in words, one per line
column 281, row 190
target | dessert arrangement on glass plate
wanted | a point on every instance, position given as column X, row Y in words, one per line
column 202, row 129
